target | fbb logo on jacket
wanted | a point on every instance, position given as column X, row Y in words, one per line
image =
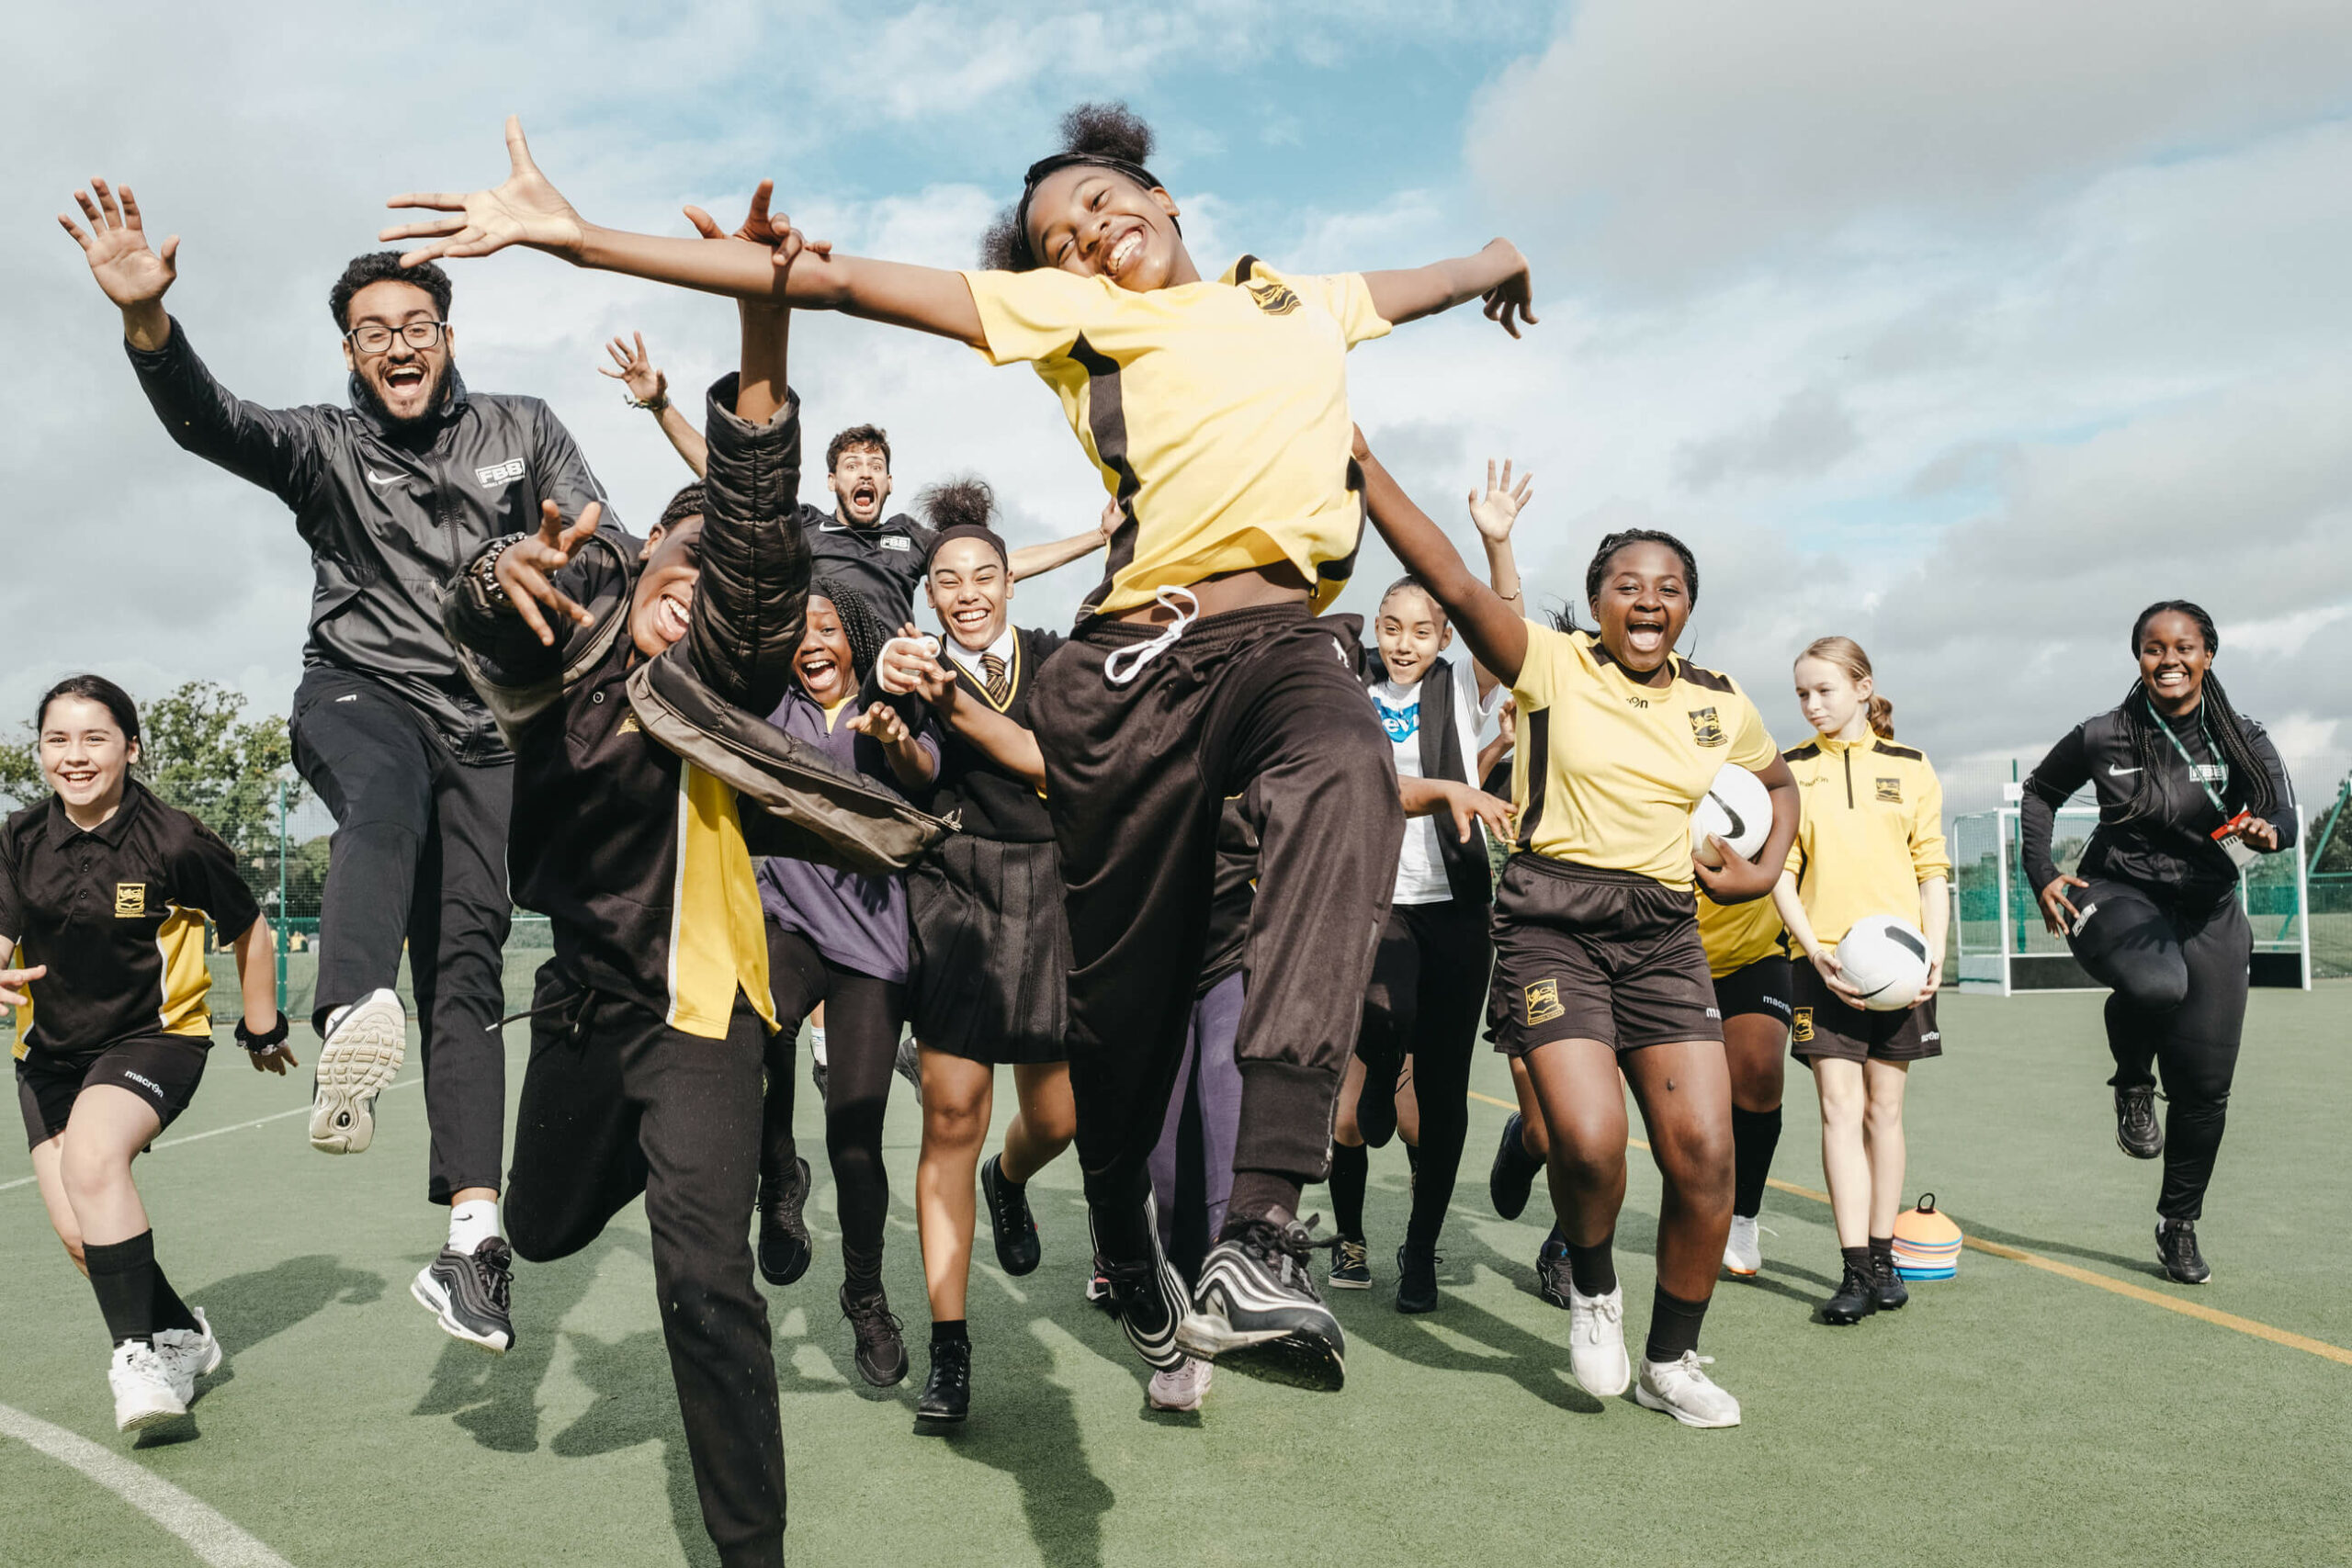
column 499, row 475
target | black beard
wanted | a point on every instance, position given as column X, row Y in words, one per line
column 433, row 402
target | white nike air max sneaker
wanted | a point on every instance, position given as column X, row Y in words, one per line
column 1743, row 1253
column 357, row 1060
column 1686, row 1393
column 144, row 1394
column 188, row 1354
column 1597, row 1342
column 1181, row 1386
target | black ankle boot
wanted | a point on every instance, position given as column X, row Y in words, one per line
column 947, row 1392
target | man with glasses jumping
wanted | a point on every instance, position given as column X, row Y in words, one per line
column 393, row 495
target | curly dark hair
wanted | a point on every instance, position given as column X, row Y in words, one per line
column 379, row 266
column 857, row 435
column 860, row 626
column 964, row 502
column 2250, row 786
column 1110, row 135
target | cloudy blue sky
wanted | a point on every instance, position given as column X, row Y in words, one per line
column 1965, row 331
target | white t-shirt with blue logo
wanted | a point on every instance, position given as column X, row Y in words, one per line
column 1421, row 867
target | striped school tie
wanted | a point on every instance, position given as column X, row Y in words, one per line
column 999, row 689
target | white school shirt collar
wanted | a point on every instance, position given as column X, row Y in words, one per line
column 1001, row 647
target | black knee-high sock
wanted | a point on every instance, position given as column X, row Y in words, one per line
column 1593, row 1270
column 1351, row 1170
column 1754, row 1135
column 136, row 1300
column 1674, row 1325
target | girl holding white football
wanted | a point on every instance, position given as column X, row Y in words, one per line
column 1870, row 859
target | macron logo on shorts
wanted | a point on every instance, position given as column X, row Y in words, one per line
column 1776, row 1004
column 498, row 476
column 150, row 1085
column 1716, row 1013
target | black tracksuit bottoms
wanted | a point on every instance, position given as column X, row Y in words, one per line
column 1260, row 700
column 1428, row 997
column 616, row 1103
column 418, row 857
column 2178, row 1003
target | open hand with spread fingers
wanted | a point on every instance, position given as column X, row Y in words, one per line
column 638, row 373
column 527, row 567
column 525, row 209
column 131, row 273
column 1496, row 509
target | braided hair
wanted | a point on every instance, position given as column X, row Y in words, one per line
column 861, row 628
column 1106, row 135
column 692, row 500
column 1565, row 617
column 2224, row 727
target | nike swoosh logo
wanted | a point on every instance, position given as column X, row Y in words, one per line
column 2118, row 772
column 375, row 478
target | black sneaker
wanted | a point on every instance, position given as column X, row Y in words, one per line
column 1552, row 1270
column 1513, row 1173
column 1017, row 1249
column 1256, row 1309
column 784, row 1233
column 1377, row 1104
column 2177, row 1250
column 908, row 1065
column 467, row 1292
column 1417, row 1279
column 881, row 1354
column 1854, row 1301
column 1351, row 1267
column 1098, row 1286
column 1887, row 1288
column 2137, row 1131
column 947, row 1397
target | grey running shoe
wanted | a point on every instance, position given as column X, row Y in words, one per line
column 358, row 1061
column 467, row 1292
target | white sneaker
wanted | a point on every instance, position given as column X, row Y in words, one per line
column 362, row 1051
column 1743, row 1253
column 188, row 1354
column 1181, row 1386
column 1685, row 1392
column 1597, row 1342
column 144, row 1394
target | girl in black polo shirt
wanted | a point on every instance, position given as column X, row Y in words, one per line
column 104, row 891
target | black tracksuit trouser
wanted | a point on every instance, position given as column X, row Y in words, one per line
column 1259, row 701
column 418, row 858
column 1428, row 997
column 616, row 1103
column 2179, row 1004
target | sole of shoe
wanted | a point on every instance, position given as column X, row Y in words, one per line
column 355, row 1066
column 1844, row 1319
column 434, row 1300
column 882, row 1377
column 1605, row 1386
column 1649, row 1401
column 1280, row 1356
column 939, row 1420
column 2156, row 1152
column 1737, row 1272
column 1413, row 1306
column 147, row 1417
column 1341, row 1282
column 790, row 1272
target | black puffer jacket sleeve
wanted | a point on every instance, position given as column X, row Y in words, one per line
column 752, row 598
column 518, row 676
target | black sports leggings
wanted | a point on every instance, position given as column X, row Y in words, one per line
column 862, row 1018
column 2180, row 980
column 1429, row 991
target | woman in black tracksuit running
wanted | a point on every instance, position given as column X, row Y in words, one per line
column 2188, row 792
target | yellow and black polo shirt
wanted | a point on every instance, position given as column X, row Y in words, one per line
column 116, row 912
column 1736, row 935
column 1217, row 414
column 1873, row 832
column 1608, row 769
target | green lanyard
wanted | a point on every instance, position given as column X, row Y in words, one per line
column 2187, row 760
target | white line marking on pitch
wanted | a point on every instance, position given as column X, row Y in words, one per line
column 206, row 1531
column 216, row 1132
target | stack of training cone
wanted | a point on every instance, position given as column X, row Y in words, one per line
column 1927, row 1244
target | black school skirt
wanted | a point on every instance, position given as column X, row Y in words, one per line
column 991, row 951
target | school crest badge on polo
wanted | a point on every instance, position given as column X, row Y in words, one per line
column 1706, row 729
column 1891, row 791
column 1544, row 1003
column 1801, row 1027
column 1274, row 298
column 130, row 900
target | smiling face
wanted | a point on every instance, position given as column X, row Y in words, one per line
column 663, row 600
column 1642, row 605
column 1410, row 632
column 85, row 755
column 970, row 591
column 823, row 666
column 2173, row 661
column 1099, row 223
column 1833, row 702
column 861, row 483
column 408, row 381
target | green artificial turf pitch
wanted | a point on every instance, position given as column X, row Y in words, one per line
column 2011, row 1416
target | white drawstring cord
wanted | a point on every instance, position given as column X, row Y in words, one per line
column 1143, row 653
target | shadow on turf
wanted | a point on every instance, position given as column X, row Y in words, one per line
column 2147, row 1266
column 636, row 1403
column 246, row 1309
column 495, row 1398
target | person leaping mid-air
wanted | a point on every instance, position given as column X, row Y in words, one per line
column 1215, row 408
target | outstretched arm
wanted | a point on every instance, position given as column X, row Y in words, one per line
column 648, row 389
column 1496, row 274
column 527, row 210
column 907, row 665
column 1029, row 561
column 1496, row 637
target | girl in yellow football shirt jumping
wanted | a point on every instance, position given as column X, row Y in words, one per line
column 1215, row 412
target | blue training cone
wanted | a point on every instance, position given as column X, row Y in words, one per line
column 1927, row 1243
